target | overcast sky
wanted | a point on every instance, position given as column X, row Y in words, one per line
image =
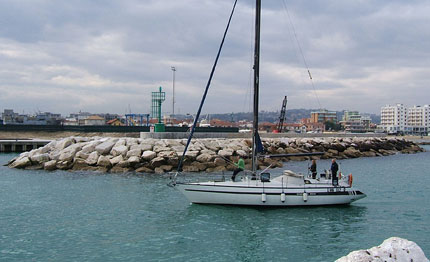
column 108, row 56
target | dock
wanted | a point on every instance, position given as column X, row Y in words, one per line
column 21, row 145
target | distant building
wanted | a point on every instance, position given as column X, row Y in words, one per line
column 394, row 118
column 46, row 118
column 323, row 116
column 353, row 121
column 94, row 120
column 400, row 119
column 418, row 119
column 9, row 116
column 71, row 122
column 115, row 122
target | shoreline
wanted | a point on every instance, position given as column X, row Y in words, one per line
column 126, row 154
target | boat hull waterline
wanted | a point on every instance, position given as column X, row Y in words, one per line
column 242, row 193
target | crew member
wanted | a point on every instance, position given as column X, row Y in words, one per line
column 334, row 168
column 240, row 166
column 313, row 169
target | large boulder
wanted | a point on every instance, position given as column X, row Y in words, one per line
column 66, row 156
column 134, row 152
column 225, row 152
column 205, row 158
column 40, row 158
column 119, row 150
column 352, row 152
column 116, row 160
column 92, row 158
column 65, row 142
column 148, row 155
column 392, row 249
column 133, row 160
column 103, row 161
column 157, row 162
column 21, row 162
column 158, row 149
column 167, row 154
column 50, row 165
column 105, row 147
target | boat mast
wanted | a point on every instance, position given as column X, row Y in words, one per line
column 256, row 84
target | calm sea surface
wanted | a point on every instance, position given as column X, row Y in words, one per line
column 64, row 216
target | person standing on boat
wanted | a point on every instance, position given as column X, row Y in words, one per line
column 240, row 166
column 313, row 169
column 334, row 168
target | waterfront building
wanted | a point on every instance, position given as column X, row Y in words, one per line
column 353, row 121
column 114, row 122
column 394, row 118
column 418, row 119
column 94, row 120
column 323, row 116
column 400, row 119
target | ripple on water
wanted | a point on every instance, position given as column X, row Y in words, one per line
column 63, row 216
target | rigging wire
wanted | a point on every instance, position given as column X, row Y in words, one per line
column 301, row 51
column 247, row 105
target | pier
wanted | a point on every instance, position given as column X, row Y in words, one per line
column 21, row 145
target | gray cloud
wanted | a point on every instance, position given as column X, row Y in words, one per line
column 102, row 56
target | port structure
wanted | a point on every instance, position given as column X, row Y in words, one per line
column 280, row 126
column 157, row 99
column 133, row 119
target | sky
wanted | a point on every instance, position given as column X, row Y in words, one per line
column 108, row 56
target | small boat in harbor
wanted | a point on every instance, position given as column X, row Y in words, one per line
column 258, row 188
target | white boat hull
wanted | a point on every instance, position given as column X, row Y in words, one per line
column 268, row 194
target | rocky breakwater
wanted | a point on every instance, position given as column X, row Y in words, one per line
column 208, row 155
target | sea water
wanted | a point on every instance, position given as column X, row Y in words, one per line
column 81, row 216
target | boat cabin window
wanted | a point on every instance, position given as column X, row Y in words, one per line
column 265, row 177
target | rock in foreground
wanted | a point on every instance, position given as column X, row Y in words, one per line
column 392, row 249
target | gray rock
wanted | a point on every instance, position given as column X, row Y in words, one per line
column 392, row 249
column 64, row 165
column 21, row 162
column 50, row 165
column 103, row 161
column 105, row 147
column 157, row 162
column 66, row 156
column 92, row 158
column 158, row 149
column 62, row 144
column 226, row 152
column 242, row 153
column 134, row 160
column 205, row 158
column 81, row 155
column 40, row 158
column 119, row 150
column 149, row 155
column 134, row 152
column 144, row 170
column 167, row 154
column 116, row 160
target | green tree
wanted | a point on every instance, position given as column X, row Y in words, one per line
column 332, row 126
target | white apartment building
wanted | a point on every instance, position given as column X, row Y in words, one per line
column 394, row 118
column 398, row 118
column 419, row 119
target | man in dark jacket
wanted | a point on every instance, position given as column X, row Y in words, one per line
column 334, row 168
column 313, row 169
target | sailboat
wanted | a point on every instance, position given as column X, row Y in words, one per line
column 258, row 189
